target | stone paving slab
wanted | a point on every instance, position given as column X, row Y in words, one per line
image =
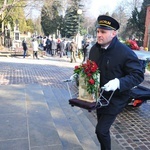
column 13, row 125
column 15, row 144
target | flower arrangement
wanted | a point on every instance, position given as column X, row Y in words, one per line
column 90, row 72
column 132, row 44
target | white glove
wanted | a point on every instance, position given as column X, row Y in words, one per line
column 112, row 85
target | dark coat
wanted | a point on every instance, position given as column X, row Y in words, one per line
column 85, row 47
column 68, row 47
column 117, row 61
column 24, row 45
column 62, row 46
column 48, row 44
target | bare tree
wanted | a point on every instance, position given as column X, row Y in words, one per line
column 120, row 15
column 129, row 6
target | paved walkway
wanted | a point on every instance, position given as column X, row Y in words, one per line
column 35, row 115
column 34, row 110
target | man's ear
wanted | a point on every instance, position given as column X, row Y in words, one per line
column 114, row 33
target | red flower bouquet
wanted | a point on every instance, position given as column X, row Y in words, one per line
column 132, row 44
column 89, row 79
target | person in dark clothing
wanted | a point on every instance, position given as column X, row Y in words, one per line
column 120, row 71
column 25, row 48
column 68, row 49
column 48, row 46
column 58, row 47
column 86, row 44
column 53, row 46
column 62, row 48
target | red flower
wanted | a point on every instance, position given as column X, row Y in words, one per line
column 93, row 69
column 89, row 74
column 76, row 67
column 91, row 81
column 86, row 70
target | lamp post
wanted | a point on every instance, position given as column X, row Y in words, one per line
column 79, row 12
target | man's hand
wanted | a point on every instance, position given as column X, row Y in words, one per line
column 112, row 85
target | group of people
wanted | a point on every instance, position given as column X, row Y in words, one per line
column 52, row 47
column 49, row 45
column 61, row 47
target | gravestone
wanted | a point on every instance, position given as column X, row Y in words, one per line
column 16, row 40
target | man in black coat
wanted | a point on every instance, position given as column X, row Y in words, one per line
column 120, row 71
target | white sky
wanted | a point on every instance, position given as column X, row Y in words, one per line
column 102, row 6
column 94, row 7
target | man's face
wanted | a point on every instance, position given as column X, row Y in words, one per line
column 104, row 37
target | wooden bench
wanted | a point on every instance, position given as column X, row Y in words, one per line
column 5, row 54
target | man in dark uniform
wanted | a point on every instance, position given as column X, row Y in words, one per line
column 120, row 71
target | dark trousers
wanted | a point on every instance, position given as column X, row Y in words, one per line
column 102, row 130
column 49, row 51
column 24, row 53
column 35, row 54
column 84, row 54
column 61, row 53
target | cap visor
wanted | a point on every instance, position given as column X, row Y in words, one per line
column 104, row 27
